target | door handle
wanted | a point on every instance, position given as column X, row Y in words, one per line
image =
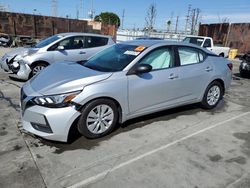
column 173, row 76
column 82, row 52
column 208, row 69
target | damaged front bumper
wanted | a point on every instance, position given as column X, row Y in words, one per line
column 17, row 68
column 20, row 70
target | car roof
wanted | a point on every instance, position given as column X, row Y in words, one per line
column 152, row 43
column 83, row 34
column 149, row 43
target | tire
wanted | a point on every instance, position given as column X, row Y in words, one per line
column 99, row 117
column 222, row 55
column 37, row 68
column 212, row 96
column 243, row 74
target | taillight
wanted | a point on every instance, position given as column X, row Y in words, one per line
column 230, row 66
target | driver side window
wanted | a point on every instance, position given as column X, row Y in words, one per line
column 160, row 58
column 207, row 43
column 71, row 43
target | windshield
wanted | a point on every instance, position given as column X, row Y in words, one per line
column 47, row 41
column 114, row 58
column 194, row 40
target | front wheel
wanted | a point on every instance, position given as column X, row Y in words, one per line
column 212, row 96
column 99, row 117
column 38, row 68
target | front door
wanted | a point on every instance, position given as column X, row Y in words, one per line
column 70, row 49
column 156, row 89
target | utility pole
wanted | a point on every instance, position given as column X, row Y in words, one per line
column 81, row 9
column 171, row 20
column 77, row 13
column 176, row 24
column 123, row 16
column 91, row 12
column 188, row 17
column 54, row 8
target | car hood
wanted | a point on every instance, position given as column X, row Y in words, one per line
column 22, row 52
column 17, row 51
column 63, row 77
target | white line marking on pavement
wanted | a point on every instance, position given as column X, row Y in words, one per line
column 101, row 175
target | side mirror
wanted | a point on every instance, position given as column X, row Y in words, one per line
column 60, row 48
column 143, row 68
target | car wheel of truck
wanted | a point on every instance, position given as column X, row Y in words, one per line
column 99, row 117
column 38, row 68
column 222, row 55
column 212, row 96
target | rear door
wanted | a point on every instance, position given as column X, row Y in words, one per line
column 94, row 44
column 194, row 72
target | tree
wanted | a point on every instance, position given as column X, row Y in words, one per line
column 168, row 25
column 108, row 18
column 150, row 17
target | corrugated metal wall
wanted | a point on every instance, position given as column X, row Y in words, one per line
column 236, row 35
column 44, row 26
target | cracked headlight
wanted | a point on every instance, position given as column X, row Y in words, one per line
column 56, row 101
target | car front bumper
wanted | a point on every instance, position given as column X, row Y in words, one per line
column 49, row 123
column 245, row 67
column 22, row 72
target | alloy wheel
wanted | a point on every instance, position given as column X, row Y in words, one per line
column 99, row 119
column 213, row 95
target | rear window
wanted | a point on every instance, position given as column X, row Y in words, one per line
column 189, row 56
column 194, row 40
column 91, row 42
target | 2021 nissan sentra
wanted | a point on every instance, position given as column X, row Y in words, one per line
column 23, row 63
column 124, row 81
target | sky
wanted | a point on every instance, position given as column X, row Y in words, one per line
column 212, row 11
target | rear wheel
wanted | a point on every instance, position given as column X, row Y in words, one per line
column 99, row 117
column 213, row 95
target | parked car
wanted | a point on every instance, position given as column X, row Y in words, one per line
column 122, row 82
column 148, row 38
column 5, row 40
column 22, row 41
column 245, row 65
column 23, row 63
column 207, row 42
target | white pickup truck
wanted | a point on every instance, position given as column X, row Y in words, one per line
column 207, row 42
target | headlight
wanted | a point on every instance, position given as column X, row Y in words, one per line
column 56, row 101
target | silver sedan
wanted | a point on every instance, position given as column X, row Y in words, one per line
column 122, row 82
column 23, row 63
